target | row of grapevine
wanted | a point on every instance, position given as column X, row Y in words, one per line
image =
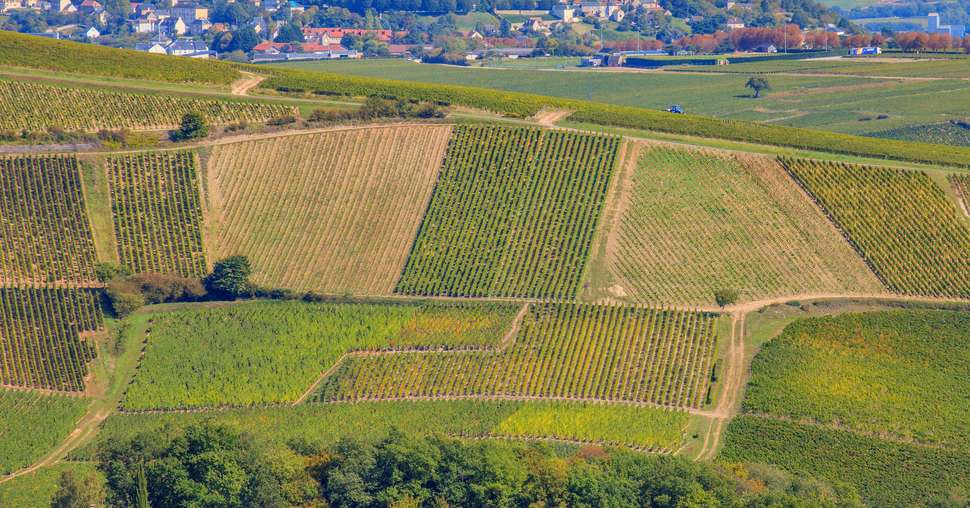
column 37, row 107
column 961, row 184
column 334, row 212
column 900, row 221
column 157, row 212
column 45, row 234
column 41, row 343
column 513, row 214
column 569, row 351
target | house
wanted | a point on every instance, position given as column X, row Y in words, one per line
column 599, row 10
column 567, row 13
column 200, row 26
column 399, row 50
column 187, row 47
column 174, row 27
column 151, row 47
column 335, row 35
column 9, row 5
column 146, row 25
column 259, row 25
column 296, row 8
column 534, row 25
column 189, row 13
column 92, row 33
column 734, row 24
column 89, row 7
column 933, row 26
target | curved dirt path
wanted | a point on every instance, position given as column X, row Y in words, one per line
column 249, row 81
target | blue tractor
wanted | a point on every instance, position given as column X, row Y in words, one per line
column 676, row 109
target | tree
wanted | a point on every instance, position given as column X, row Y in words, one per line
column 124, row 297
column 78, row 490
column 193, row 126
column 757, row 84
column 229, row 278
column 725, row 297
column 244, row 40
column 290, row 33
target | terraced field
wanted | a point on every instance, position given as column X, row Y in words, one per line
column 513, row 214
column 36, row 107
column 41, row 342
column 33, row 423
column 271, row 352
column 563, row 351
column 687, row 222
column 157, row 212
column 900, row 221
column 45, row 235
column 333, row 212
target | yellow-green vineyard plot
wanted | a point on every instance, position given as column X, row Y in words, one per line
column 33, row 423
column 568, row 351
column 334, row 212
column 513, row 214
column 688, row 222
column 270, row 352
column 157, row 212
column 901, row 222
column 41, row 337
column 45, row 235
column 36, row 107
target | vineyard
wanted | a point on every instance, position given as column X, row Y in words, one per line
column 334, row 212
column 569, row 351
column 157, row 212
column 641, row 427
column 900, row 221
column 33, row 423
column 267, row 352
column 41, row 342
column 691, row 222
column 513, row 214
column 899, row 373
column 886, row 473
column 35, row 107
column 45, row 235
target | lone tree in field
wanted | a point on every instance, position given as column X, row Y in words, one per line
column 757, row 84
column 193, row 126
column 229, row 278
column 725, row 297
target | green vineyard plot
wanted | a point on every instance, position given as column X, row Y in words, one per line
column 42, row 342
column 961, row 185
column 157, row 212
column 45, row 235
column 36, row 107
column 513, row 214
column 886, row 473
column 271, row 352
column 31, row 424
column 899, row 373
column 690, row 222
column 568, row 351
column 901, row 221
column 332, row 212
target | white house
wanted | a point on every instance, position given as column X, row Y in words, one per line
column 92, row 33
column 151, row 47
column 567, row 13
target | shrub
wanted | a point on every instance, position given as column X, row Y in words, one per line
column 725, row 297
column 161, row 288
column 124, row 297
column 194, row 126
column 106, row 272
column 281, row 120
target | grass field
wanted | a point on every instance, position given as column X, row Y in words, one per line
column 334, row 212
column 687, row 222
column 32, row 424
column 44, row 339
column 513, row 214
column 567, row 351
column 269, row 352
column 886, row 473
column 923, row 66
column 946, row 133
column 324, row 424
column 36, row 107
column 157, row 212
column 45, row 235
column 835, row 102
column 904, row 374
column 901, row 221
